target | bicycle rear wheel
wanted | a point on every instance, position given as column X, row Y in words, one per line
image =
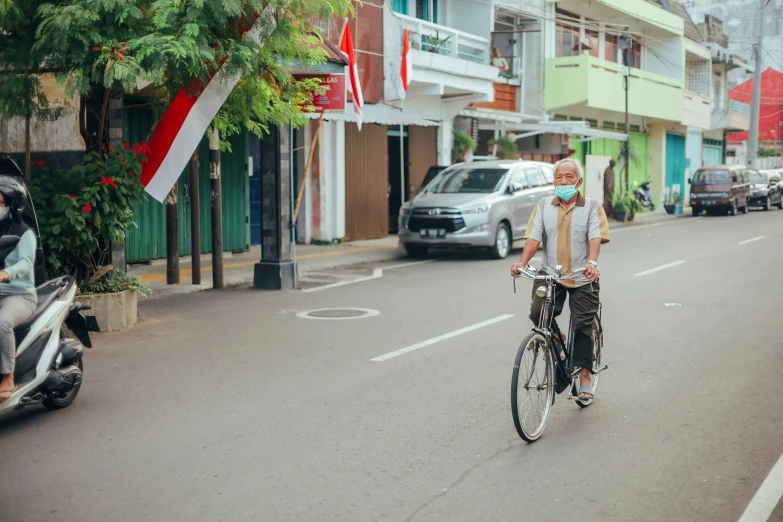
column 598, row 343
column 532, row 387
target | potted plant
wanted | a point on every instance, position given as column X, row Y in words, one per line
column 81, row 213
column 434, row 43
column 463, row 144
column 621, row 205
column 506, row 147
column 673, row 204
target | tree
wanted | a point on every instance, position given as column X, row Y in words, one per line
column 100, row 47
column 21, row 92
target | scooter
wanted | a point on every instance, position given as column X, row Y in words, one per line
column 49, row 366
column 643, row 194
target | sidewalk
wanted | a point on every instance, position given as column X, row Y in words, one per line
column 312, row 261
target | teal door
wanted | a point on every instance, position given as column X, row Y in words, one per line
column 713, row 155
column 675, row 162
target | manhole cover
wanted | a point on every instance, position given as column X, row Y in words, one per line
column 335, row 314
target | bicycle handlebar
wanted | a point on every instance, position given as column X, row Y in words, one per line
column 532, row 275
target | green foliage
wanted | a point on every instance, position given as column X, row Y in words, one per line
column 434, row 43
column 626, row 202
column 83, row 211
column 507, row 147
column 463, row 143
column 113, row 282
column 766, row 153
column 176, row 44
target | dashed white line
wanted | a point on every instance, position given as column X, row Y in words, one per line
column 751, row 240
column 428, row 342
column 767, row 497
column 376, row 274
column 659, row 268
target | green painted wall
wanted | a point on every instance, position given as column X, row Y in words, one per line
column 605, row 147
column 147, row 241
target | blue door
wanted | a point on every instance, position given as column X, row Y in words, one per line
column 713, row 155
column 675, row 162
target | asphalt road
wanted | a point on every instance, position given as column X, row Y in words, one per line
column 228, row 406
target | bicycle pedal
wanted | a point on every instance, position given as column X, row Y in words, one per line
column 596, row 372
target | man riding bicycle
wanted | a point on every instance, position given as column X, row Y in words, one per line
column 572, row 229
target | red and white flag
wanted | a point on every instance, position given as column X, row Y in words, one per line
column 185, row 121
column 346, row 46
column 406, row 70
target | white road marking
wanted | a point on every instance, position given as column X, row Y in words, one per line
column 659, row 268
column 376, row 274
column 751, row 240
column 428, row 342
column 767, row 497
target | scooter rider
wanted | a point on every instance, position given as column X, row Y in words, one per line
column 17, row 291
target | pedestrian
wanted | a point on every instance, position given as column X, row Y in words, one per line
column 609, row 188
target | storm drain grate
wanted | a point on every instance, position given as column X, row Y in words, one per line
column 336, row 314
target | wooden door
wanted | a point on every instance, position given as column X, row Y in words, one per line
column 366, row 182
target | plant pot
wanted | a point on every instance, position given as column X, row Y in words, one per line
column 621, row 216
column 114, row 312
column 674, row 208
column 631, row 215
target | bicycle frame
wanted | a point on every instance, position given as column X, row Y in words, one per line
column 551, row 331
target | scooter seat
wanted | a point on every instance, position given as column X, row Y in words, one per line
column 47, row 293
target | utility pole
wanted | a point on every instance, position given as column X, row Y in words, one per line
column 753, row 141
column 625, row 46
column 195, row 219
column 217, row 210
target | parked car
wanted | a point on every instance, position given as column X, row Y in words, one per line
column 720, row 189
column 766, row 189
column 475, row 205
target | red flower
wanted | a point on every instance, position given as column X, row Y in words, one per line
column 142, row 147
column 109, row 181
column 72, row 197
column 127, row 147
column 87, row 207
column 38, row 163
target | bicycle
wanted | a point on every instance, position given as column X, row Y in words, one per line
column 545, row 344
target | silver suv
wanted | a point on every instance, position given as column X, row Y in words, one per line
column 475, row 205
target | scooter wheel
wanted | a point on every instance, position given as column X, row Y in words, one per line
column 60, row 400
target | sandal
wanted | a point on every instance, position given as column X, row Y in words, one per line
column 585, row 393
column 9, row 392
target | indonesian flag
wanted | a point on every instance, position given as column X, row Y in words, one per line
column 346, row 46
column 185, row 121
column 406, row 71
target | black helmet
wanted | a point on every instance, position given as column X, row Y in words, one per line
column 14, row 192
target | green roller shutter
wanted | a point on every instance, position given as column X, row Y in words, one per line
column 147, row 240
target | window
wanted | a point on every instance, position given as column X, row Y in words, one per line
column 567, row 34
column 535, row 177
column 611, row 48
column 520, row 178
column 591, row 39
column 636, row 53
column 468, row 180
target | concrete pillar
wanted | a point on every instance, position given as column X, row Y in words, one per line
column 276, row 270
column 445, row 141
column 339, row 152
column 656, row 154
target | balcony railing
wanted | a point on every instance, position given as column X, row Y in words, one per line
column 443, row 40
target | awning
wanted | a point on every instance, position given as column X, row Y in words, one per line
column 574, row 128
column 495, row 115
column 380, row 114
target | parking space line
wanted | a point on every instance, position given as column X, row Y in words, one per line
column 751, row 240
column 428, row 342
column 376, row 274
column 767, row 497
column 659, row 268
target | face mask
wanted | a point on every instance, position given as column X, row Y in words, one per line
column 565, row 192
column 3, row 213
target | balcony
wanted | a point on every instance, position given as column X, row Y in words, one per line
column 697, row 111
column 448, row 61
column 735, row 119
column 598, row 84
column 641, row 16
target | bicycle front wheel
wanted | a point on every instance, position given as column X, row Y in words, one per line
column 532, row 387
